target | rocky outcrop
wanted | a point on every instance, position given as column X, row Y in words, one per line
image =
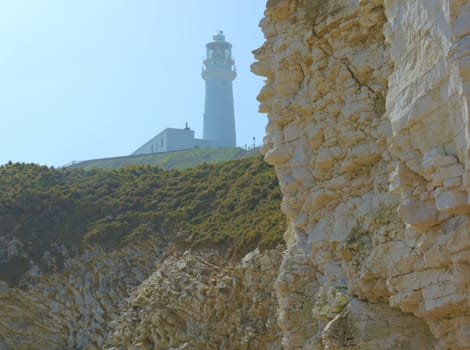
column 72, row 308
column 368, row 107
column 146, row 295
column 201, row 301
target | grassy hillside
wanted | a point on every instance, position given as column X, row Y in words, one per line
column 168, row 160
column 232, row 204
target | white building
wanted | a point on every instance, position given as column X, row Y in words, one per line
column 172, row 139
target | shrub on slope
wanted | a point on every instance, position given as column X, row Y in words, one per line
column 233, row 204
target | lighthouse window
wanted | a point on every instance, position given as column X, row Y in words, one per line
column 219, row 53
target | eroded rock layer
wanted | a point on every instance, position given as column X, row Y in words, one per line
column 368, row 110
column 146, row 296
column 72, row 309
column 427, row 105
column 201, row 301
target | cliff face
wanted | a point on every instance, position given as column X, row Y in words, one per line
column 72, row 308
column 199, row 300
column 368, row 110
column 147, row 295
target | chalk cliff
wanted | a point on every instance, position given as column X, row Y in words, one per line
column 367, row 102
column 368, row 132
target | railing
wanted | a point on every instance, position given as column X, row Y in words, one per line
column 249, row 147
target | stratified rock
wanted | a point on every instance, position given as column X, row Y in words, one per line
column 146, row 295
column 201, row 301
column 72, row 308
column 367, row 104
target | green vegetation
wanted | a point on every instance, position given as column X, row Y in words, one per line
column 233, row 204
column 168, row 160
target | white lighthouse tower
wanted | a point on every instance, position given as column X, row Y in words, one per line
column 219, row 72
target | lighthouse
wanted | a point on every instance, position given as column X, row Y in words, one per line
column 218, row 72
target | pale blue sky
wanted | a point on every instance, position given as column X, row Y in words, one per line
column 84, row 79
